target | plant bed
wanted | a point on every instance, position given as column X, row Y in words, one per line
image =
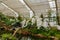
column 43, row 33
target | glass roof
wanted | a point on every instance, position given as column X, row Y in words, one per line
column 26, row 7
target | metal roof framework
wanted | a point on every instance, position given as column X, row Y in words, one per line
column 35, row 7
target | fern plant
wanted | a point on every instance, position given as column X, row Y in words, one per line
column 7, row 37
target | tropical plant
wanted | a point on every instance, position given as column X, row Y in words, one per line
column 7, row 37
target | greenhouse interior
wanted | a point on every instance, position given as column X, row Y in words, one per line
column 29, row 20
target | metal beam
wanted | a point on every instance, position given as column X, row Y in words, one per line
column 28, row 7
column 10, row 9
column 58, row 21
